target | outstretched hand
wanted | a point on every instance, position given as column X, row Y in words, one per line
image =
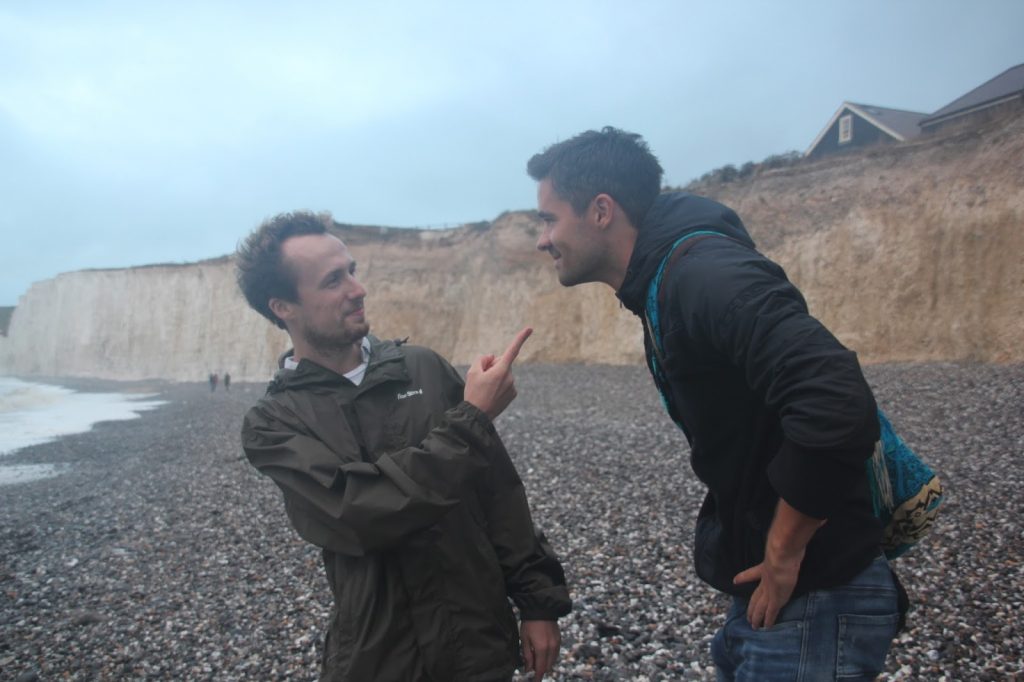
column 489, row 382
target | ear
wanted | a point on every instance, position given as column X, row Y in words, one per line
column 281, row 308
column 603, row 207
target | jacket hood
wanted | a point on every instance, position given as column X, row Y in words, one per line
column 673, row 215
column 309, row 374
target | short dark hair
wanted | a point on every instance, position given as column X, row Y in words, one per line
column 259, row 269
column 609, row 161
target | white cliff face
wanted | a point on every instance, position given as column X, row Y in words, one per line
column 467, row 292
column 176, row 322
column 907, row 253
column 463, row 292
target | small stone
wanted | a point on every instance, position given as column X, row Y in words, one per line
column 86, row 618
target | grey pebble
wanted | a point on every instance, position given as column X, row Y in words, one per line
column 161, row 554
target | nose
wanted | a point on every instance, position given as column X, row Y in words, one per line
column 544, row 240
column 357, row 290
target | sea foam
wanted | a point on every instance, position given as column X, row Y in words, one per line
column 32, row 413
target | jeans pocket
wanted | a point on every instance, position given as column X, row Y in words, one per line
column 741, row 654
column 769, row 654
column 863, row 644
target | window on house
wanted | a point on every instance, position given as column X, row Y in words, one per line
column 845, row 128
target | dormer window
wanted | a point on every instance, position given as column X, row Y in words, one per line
column 845, row 128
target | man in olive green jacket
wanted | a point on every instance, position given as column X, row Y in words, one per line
column 391, row 464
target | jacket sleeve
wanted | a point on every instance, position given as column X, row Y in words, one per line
column 744, row 306
column 356, row 507
column 534, row 578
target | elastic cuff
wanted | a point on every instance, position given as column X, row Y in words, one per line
column 547, row 604
column 469, row 416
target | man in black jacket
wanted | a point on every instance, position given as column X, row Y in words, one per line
column 778, row 415
column 390, row 463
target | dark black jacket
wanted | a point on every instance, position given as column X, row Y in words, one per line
column 771, row 403
column 423, row 520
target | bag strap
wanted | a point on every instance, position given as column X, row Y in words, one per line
column 655, row 292
column 652, row 320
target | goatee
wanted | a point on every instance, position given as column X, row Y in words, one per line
column 329, row 344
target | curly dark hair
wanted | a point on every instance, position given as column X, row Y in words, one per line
column 260, row 272
column 609, row 161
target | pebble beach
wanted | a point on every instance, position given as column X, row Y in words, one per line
column 160, row 554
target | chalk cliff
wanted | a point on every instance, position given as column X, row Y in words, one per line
column 909, row 252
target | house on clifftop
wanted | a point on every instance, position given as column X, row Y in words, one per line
column 992, row 99
column 855, row 126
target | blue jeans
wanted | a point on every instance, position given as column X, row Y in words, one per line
column 842, row 633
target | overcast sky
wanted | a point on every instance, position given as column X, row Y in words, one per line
column 135, row 133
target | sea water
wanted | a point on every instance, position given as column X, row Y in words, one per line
column 32, row 413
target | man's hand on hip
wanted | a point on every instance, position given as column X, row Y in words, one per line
column 784, row 551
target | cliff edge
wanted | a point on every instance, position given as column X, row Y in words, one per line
column 908, row 253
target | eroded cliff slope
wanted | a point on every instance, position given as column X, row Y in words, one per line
column 913, row 252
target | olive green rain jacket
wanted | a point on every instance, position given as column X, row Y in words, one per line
column 422, row 518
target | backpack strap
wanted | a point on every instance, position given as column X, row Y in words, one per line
column 652, row 318
column 655, row 293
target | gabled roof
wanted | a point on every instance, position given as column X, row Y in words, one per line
column 899, row 123
column 1006, row 85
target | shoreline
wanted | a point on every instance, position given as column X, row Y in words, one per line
column 41, row 411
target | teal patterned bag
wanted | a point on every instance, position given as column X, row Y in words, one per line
column 905, row 492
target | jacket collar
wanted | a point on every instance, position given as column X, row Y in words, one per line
column 385, row 364
column 672, row 215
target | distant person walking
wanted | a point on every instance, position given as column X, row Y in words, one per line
column 227, row 382
column 213, row 382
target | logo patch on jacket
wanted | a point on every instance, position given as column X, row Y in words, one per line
column 409, row 394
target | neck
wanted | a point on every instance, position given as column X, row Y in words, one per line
column 623, row 241
column 339, row 359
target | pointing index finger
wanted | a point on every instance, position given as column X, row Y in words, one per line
column 512, row 352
